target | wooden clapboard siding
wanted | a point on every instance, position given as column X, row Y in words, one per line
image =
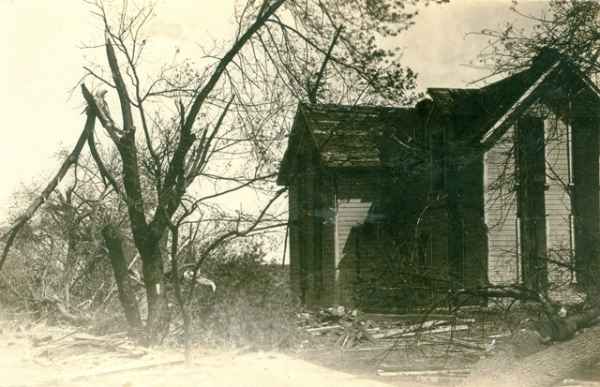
column 474, row 229
column 307, row 273
column 531, row 175
column 327, row 218
column 557, row 198
column 294, row 237
column 586, row 205
column 355, row 195
column 501, row 211
column 504, row 243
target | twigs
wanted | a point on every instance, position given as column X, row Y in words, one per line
column 71, row 159
column 230, row 234
column 76, row 339
column 312, row 94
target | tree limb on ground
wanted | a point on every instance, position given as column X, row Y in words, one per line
column 64, row 312
column 545, row 368
column 556, row 328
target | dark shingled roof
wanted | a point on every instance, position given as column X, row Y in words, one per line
column 375, row 136
column 357, row 136
column 476, row 110
column 352, row 136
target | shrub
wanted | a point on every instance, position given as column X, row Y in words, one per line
column 253, row 305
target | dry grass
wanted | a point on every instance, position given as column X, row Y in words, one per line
column 252, row 307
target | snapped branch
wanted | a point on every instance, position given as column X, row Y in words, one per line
column 71, row 159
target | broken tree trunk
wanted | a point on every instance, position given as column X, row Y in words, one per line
column 561, row 329
column 187, row 322
column 11, row 234
column 114, row 244
column 544, row 368
column 157, row 323
column 554, row 328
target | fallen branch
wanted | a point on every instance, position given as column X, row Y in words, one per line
column 425, row 328
column 318, row 330
column 449, row 372
column 545, row 368
column 64, row 312
column 112, row 343
column 462, row 343
column 578, row 383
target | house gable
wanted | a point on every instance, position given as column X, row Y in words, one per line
column 356, row 157
column 554, row 81
column 352, row 137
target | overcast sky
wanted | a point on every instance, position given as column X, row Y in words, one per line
column 42, row 61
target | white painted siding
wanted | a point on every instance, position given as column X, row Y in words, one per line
column 501, row 204
column 557, row 198
column 355, row 197
column 500, row 201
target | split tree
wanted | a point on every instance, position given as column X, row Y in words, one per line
column 191, row 133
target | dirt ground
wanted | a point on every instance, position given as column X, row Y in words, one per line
column 25, row 360
column 41, row 355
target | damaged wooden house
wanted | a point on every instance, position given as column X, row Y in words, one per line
column 392, row 207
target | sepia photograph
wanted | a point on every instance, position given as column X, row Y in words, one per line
column 290, row 193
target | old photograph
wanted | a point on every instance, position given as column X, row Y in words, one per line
column 288, row 193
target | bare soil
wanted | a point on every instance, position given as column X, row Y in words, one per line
column 42, row 355
column 25, row 360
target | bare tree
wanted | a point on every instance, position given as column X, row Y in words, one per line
column 233, row 108
column 190, row 135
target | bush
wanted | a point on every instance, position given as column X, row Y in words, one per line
column 253, row 305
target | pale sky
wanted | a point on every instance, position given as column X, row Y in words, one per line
column 42, row 62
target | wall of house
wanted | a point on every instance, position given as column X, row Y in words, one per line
column 585, row 193
column 474, row 229
column 304, row 265
column 294, row 234
column 557, row 196
column 501, row 202
column 381, row 263
column 311, row 269
column 312, row 237
column 356, row 195
column 326, row 218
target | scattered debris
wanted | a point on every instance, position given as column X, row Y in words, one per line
column 434, row 348
column 319, row 330
column 73, row 343
column 350, row 328
column 444, row 372
column 579, row 383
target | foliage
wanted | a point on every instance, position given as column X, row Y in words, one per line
column 572, row 27
column 253, row 305
column 190, row 134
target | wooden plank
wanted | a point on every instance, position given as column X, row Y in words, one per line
column 413, row 373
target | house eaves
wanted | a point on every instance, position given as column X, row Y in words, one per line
column 518, row 106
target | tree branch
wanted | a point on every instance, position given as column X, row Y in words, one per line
column 124, row 100
column 312, row 94
column 233, row 233
column 11, row 234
